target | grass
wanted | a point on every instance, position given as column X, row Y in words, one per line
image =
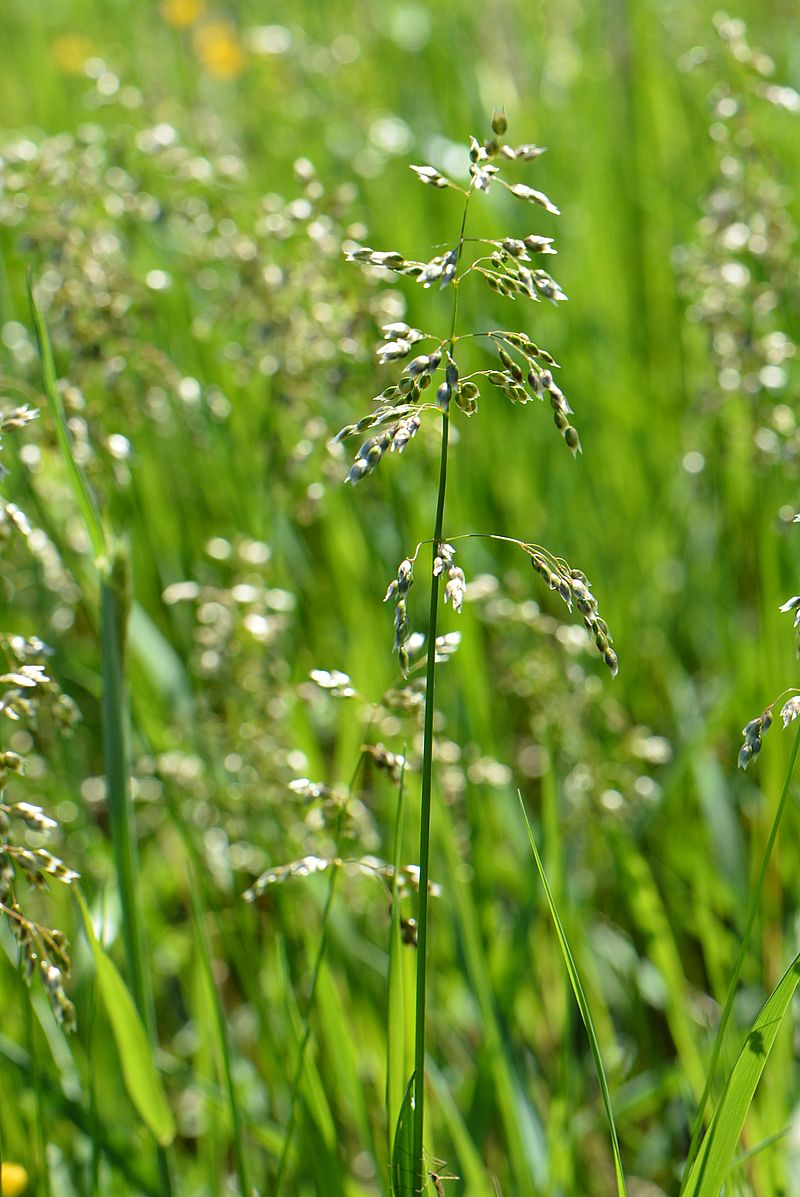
column 662, row 859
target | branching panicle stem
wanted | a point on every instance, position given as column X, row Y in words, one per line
column 427, row 777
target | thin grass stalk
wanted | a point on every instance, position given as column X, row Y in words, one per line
column 72, row 1111
column 727, row 1010
column 38, row 1088
column 582, row 1003
column 395, row 992
column 297, row 1075
column 93, row 1114
column 78, row 484
column 427, row 777
column 222, row 1034
column 113, row 616
column 198, row 897
column 114, row 608
column 112, row 564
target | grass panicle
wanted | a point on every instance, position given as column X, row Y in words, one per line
column 526, row 374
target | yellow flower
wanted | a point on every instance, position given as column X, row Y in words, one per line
column 70, row 53
column 219, row 49
column 13, row 1180
column 181, row 13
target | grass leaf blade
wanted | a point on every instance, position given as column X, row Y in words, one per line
column 80, row 488
column 583, row 1006
column 398, row 1044
column 717, row 1151
column 142, row 1080
column 403, row 1159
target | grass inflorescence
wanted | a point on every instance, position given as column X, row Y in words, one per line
column 525, row 374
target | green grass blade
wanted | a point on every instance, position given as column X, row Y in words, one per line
column 85, row 1122
column 759, row 1148
column 165, row 671
column 307, row 1089
column 142, row 1080
column 522, row 1129
column 80, row 488
column 398, row 1049
column 220, row 1032
column 114, row 607
column 650, row 916
column 583, row 1006
column 716, row 1154
column 474, row 1174
column 42, row 1123
column 752, row 910
column 403, row 1159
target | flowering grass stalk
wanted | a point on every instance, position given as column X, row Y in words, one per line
column 525, row 374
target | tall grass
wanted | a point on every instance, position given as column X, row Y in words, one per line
column 252, row 566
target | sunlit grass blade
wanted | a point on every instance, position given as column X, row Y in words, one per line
column 83, row 1121
column 336, row 1001
column 220, row 1031
column 38, row 1087
column 583, row 1006
column 398, row 1046
column 142, row 1082
column 307, row 1090
column 163, row 668
column 757, row 1148
column 470, row 1164
column 305, row 1035
column 403, row 1158
column 114, row 608
column 523, row 1132
column 113, row 567
column 80, row 488
column 752, row 910
column 649, row 914
column 715, row 1158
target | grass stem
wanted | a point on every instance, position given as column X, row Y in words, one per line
column 427, row 778
column 755, row 902
column 297, row 1075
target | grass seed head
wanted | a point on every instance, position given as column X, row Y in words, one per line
column 499, row 121
column 753, row 732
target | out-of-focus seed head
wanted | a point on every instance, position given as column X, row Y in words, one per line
column 611, row 660
column 573, row 440
column 499, row 121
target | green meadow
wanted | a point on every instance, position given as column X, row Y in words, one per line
column 214, row 769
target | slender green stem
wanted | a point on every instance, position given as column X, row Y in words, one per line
column 113, row 567
column 427, row 776
column 755, row 902
column 301, row 1051
column 223, row 1045
column 38, row 1085
column 396, row 1054
column 74, row 1112
column 113, row 618
column 317, row 969
column 114, row 609
column 80, row 488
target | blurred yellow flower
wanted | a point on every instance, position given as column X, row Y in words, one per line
column 70, row 53
column 219, row 49
column 13, row 1180
column 181, row 13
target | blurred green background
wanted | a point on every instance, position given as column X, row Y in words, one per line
column 211, row 339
